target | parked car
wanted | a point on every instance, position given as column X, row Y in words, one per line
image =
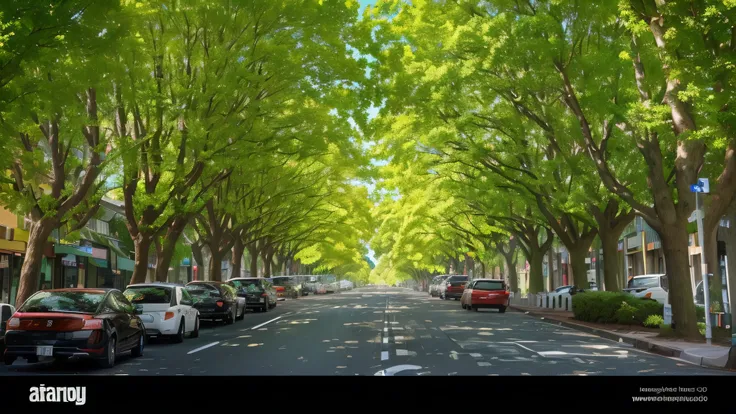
column 434, row 287
column 258, row 292
column 77, row 323
column 453, row 287
column 485, row 293
column 166, row 309
column 700, row 296
column 6, row 312
column 216, row 301
column 654, row 287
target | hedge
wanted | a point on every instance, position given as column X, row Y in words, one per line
column 614, row 307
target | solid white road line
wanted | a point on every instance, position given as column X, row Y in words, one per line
column 203, row 347
column 266, row 323
column 384, row 355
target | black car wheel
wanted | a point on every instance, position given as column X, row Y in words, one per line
column 502, row 309
column 9, row 359
column 110, row 353
column 138, row 350
column 179, row 337
column 195, row 332
column 267, row 306
column 230, row 319
column 242, row 314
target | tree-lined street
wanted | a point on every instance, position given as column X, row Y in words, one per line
column 369, row 330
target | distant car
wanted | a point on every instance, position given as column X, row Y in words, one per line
column 434, row 287
column 216, row 301
column 485, row 293
column 166, row 309
column 285, row 287
column 258, row 292
column 78, row 323
column 654, row 287
column 453, row 287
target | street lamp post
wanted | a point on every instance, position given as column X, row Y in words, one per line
column 703, row 186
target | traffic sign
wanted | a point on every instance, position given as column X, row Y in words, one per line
column 703, row 186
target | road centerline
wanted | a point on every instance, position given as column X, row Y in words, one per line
column 266, row 323
column 201, row 348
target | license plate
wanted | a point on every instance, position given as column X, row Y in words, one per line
column 262, row 300
column 45, row 350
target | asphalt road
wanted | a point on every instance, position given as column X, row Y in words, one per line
column 381, row 331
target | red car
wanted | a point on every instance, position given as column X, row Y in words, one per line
column 486, row 293
column 74, row 323
column 454, row 287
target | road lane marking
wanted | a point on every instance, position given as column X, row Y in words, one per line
column 266, row 323
column 385, row 329
column 528, row 349
column 203, row 347
column 384, row 355
column 385, row 340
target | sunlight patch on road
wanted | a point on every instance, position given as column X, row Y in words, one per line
column 485, row 333
column 330, row 350
column 254, row 345
column 325, row 340
column 244, row 336
column 351, row 342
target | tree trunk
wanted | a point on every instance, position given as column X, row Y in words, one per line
column 675, row 246
column 142, row 247
column 236, row 260
column 483, row 269
column 536, row 279
column 578, row 265
column 165, row 253
column 31, row 269
column 609, row 241
column 198, row 257
column 216, row 265
column 253, row 256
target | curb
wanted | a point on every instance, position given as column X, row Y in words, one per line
column 636, row 343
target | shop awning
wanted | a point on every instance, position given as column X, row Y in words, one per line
column 102, row 240
column 98, row 262
column 125, row 264
column 13, row 246
column 71, row 249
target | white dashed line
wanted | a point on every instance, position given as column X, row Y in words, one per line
column 203, row 347
column 266, row 323
column 384, row 355
column 385, row 340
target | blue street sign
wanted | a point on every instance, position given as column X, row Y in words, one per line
column 696, row 188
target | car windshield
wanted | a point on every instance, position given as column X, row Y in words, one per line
column 202, row 290
column 489, row 285
column 644, row 282
column 251, row 286
column 148, row 295
column 69, row 301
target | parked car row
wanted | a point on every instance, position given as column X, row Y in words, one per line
column 101, row 323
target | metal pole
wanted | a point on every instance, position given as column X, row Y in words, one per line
column 704, row 271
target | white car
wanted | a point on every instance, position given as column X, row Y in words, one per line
column 166, row 309
column 654, row 287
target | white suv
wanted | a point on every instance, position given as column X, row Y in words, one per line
column 654, row 287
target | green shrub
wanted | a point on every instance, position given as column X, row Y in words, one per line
column 700, row 312
column 654, row 321
column 625, row 314
column 614, row 307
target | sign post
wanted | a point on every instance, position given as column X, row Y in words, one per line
column 703, row 186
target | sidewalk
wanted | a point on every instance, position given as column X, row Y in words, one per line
column 714, row 356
